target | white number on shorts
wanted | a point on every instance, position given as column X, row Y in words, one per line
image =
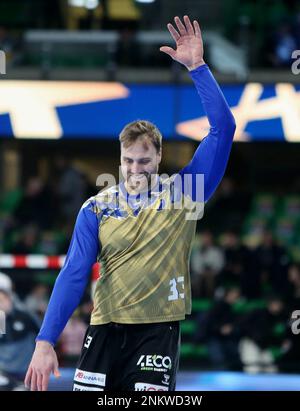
column 175, row 295
column 88, row 341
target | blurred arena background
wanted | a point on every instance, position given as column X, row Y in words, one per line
column 76, row 72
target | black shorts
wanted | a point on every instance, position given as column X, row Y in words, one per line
column 129, row 357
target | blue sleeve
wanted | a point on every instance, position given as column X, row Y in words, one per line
column 73, row 277
column 210, row 158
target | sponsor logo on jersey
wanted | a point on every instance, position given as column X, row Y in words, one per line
column 90, row 377
column 154, row 362
column 143, row 386
column 77, row 387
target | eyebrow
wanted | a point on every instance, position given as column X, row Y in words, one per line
column 143, row 158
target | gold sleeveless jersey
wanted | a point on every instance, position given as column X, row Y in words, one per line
column 145, row 248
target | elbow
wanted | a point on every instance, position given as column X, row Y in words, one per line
column 227, row 128
column 231, row 127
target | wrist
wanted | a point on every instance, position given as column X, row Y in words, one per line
column 43, row 344
column 196, row 65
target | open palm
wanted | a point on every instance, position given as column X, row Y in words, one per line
column 189, row 44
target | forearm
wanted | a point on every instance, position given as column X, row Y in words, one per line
column 65, row 297
column 217, row 110
column 210, row 158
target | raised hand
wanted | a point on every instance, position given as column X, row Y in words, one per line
column 189, row 44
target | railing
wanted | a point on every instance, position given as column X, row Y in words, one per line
column 223, row 55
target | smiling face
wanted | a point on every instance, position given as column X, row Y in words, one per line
column 139, row 161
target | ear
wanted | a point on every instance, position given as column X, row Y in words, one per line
column 159, row 154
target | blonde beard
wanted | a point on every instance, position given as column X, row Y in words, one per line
column 138, row 188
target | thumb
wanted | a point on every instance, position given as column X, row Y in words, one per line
column 168, row 50
column 56, row 371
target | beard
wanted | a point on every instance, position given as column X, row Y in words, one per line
column 139, row 182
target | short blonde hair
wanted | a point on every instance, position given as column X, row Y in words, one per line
column 141, row 129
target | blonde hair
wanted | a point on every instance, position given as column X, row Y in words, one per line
column 141, row 130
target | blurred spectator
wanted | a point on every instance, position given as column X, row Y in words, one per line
column 272, row 262
column 37, row 301
column 206, row 261
column 283, row 43
column 264, row 330
column 7, row 284
column 296, row 27
column 234, row 254
column 219, row 328
column 36, row 206
column 17, row 344
column 294, row 287
column 86, row 307
column 48, row 244
column 72, row 338
column 290, row 360
column 234, row 204
column 27, row 242
column 71, row 189
column 6, row 44
column 240, row 268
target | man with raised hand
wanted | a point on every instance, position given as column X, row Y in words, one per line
column 143, row 242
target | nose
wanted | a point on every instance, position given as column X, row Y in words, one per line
column 136, row 168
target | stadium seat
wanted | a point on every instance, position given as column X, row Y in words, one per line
column 10, row 200
column 201, row 304
column 189, row 350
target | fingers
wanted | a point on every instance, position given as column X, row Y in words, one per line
column 35, row 380
column 45, row 381
column 189, row 26
column 174, row 33
column 33, row 386
column 180, row 26
column 197, row 28
column 183, row 30
column 39, row 381
column 31, row 379
column 168, row 50
column 28, row 377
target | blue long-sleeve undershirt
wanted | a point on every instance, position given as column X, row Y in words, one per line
column 72, row 280
column 209, row 159
column 211, row 156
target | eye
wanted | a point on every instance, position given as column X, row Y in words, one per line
column 145, row 161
